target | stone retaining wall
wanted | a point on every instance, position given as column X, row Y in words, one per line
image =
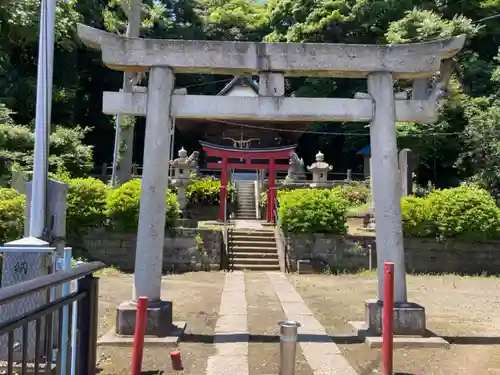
column 422, row 254
column 181, row 251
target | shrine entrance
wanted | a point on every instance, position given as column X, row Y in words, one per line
column 242, row 160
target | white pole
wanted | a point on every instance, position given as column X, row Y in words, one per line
column 42, row 120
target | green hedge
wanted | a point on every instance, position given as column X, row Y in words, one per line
column 87, row 199
column 355, row 193
column 91, row 203
column 123, row 206
column 312, row 211
column 205, row 191
column 12, row 214
column 466, row 212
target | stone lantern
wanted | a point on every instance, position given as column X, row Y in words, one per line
column 183, row 166
column 320, row 171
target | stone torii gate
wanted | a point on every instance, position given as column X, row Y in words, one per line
column 381, row 65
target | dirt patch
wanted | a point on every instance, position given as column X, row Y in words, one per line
column 264, row 312
column 196, row 297
column 465, row 310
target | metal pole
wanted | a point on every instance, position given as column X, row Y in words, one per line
column 74, row 330
column 388, row 316
column 66, row 290
column 288, row 346
column 140, row 329
column 42, row 117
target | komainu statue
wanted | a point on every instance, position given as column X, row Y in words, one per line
column 296, row 170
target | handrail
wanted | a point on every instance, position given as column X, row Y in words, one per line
column 14, row 292
column 275, row 209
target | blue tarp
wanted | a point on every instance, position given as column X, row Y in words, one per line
column 365, row 151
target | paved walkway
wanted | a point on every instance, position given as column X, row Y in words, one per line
column 321, row 353
column 248, row 224
column 231, row 332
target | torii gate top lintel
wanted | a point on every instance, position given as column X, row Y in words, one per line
column 405, row 61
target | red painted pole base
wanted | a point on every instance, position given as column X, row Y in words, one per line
column 176, row 359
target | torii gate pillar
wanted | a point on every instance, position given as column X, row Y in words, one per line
column 151, row 230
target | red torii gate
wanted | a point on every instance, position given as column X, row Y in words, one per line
column 270, row 155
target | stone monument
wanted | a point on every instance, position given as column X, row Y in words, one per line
column 183, row 166
column 406, row 172
column 380, row 65
column 320, row 171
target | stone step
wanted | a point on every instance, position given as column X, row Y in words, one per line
column 255, row 267
column 251, row 243
column 259, row 238
column 252, row 249
column 256, row 261
column 272, row 256
column 253, row 233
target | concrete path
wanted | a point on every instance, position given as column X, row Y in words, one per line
column 248, row 224
column 231, row 332
column 321, row 353
column 232, row 336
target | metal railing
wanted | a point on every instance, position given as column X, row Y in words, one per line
column 32, row 342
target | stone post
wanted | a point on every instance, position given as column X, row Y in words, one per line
column 182, row 175
column 151, row 229
column 406, row 172
column 386, row 188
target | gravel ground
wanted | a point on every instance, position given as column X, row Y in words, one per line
column 196, row 298
column 465, row 310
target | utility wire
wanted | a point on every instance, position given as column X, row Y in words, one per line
column 433, row 134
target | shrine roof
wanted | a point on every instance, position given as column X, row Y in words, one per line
column 240, row 80
column 247, row 150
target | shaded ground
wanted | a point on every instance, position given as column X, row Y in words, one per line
column 196, row 298
column 464, row 309
column 264, row 313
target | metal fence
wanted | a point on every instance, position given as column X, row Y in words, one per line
column 44, row 325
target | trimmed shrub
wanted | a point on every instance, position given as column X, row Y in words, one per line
column 12, row 214
column 203, row 191
column 123, row 206
column 466, row 211
column 355, row 193
column 416, row 217
column 312, row 211
column 86, row 203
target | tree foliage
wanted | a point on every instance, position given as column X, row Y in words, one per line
column 461, row 145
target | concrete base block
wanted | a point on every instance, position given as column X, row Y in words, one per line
column 410, row 342
column 428, row 341
column 158, row 321
column 172, row 339
column 409, row 318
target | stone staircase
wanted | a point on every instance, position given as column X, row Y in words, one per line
column 254, row 250
column 245, row 200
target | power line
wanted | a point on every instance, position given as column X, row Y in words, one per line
column 329, row 133
column 207, row 83
column 487, row 18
